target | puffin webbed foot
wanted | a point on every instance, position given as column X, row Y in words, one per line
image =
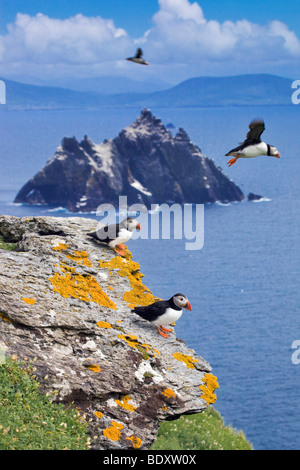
column 119, row 252
column 161, row 332
column 232, row 161
column 165, row 330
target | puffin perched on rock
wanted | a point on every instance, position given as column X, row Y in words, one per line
column 138, row 59
column 164, row 312
column 253, row 146
column 116, row 235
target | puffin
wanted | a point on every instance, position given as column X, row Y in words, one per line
column 164, row 312
column 253, row 146
column 138, row 59
column 115, row 235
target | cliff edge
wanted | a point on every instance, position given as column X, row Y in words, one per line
column 65, row 301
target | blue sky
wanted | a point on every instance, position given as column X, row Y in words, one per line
column 180, row 38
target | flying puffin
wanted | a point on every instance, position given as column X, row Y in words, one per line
column 116, row 235
column 138, row 57
column 253, row 146
column 164, row 312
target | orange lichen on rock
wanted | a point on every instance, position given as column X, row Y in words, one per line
column 81, row 257
column 139, row 293
column 133, row 342
column 60, row 247
column 98, row 414
column 136, row 441
column 95, row 368
column 208, row 388
column 168, row 392
column 28, row 301
column 4, row 318
column 103, row 324
column 114, row 431
column 86, row 288
column 124, row 403
column 187, row 360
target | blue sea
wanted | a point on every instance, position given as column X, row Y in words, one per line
column 243, row 284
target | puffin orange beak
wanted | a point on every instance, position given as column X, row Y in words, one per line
column 138, row 227
column 188, row 306
column 277, row 155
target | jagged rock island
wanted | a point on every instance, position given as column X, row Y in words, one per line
column 65, row 302
column 144, row 162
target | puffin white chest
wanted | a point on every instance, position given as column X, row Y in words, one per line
column 123, row 237
column 170, row 316
column 255, row 150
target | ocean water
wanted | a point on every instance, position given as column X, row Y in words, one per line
column 243, row 284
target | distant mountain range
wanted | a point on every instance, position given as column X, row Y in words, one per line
column 241, row 90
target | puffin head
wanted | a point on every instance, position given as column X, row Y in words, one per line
column 181, row 301
column 274, row 152
column 131, row 224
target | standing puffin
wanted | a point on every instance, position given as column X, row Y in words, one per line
column 164, row 312
column 116, row 235
column 253, row 146
column 138, row 57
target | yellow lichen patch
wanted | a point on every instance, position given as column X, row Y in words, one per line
column 72, row 284
column 114, row 431
column 4, row 318
column 124, row 403
column 60, row 247
column 130, row 339
column 133, row 342
column 168, row 392
column 28, row 301
column 98, row 414
column 81, row 257
column 136, row 441
column 95, row 368
column 187, row 360
column 103, row 324
column 208, row 388
column 139, row 293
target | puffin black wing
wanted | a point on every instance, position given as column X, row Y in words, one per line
column 257, row 126
column 153, row 311
column 106, row 234
column 139, row 53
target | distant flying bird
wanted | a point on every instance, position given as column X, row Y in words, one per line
column 253, row 146
column 138, row 57
column 116, row 235
column 164, row 312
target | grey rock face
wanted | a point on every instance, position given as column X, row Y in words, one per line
column 144, row 162
column 66, row 301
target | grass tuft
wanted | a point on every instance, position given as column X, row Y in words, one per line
column 29, row 420
column 202, row 431
column 7, row 246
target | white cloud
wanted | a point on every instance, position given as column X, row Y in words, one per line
column 180, row 43
column 181, row 31
column 40, row 43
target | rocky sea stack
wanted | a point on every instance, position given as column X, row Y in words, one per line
column 145, row 162
column 66, row 305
